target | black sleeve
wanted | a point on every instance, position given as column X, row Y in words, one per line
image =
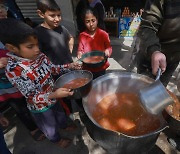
column 151, row 22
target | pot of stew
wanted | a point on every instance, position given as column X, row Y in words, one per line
column 172, row 114
column 93, row 59
column 114, row 117
column 79, row 81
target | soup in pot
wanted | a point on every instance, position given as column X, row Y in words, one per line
column 122, row 112
column 174, row 109
column 93, row 59
column 76, row 83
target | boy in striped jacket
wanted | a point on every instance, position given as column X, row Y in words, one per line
column 31, row 72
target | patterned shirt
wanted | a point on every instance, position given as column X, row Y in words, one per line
column 34, row 79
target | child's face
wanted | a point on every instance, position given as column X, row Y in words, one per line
column 51, row 19
column 3, row 11
column 91, row 22
column 29, row 49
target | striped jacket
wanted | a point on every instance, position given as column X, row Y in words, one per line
column 34, row 80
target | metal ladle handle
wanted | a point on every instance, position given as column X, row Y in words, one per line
column 158, row 74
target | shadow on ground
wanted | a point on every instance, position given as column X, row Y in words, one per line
column 24, row 143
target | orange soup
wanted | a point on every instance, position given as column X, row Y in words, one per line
column 76, row 83
column 93, row 59
column 122, row 112
column 174, row 109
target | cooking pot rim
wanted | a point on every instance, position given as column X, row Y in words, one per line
column 94, row 53
column 74, row 71
column 165, row 110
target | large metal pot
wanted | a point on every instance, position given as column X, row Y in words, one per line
column 116, row 142
column 67, row 77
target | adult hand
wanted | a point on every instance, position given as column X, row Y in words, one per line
column 3, row 62
column 4, row 121
column 158, row 60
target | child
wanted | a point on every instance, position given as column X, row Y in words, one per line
column 10, row 95
column 55, row 41
column 6, row 89
column 31, row 72
column 3, row 10
column 94, row 38
column 3, row 14
column 3, row 147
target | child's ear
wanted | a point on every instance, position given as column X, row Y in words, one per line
column 11, row 47
column 40, row 13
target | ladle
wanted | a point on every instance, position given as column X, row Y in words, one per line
column 155, row 97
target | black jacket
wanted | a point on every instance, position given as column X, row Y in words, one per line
column 160, row 29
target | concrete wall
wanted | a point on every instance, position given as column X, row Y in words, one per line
column 67, row 15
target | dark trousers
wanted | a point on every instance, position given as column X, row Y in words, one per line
column 23, row 113
column 3, row 146
column 50, row 121
column 97, row 74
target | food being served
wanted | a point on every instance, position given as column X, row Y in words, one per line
column 174, row 109
column 122, row 112
column 93, row 59
column 76, row 83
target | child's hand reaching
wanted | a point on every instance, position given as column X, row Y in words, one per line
column 79, row 55
column 107, row 53
column 3, row 62
column 60, row 93
column 75, row 66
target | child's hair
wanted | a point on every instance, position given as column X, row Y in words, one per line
column 90, row 10
column 47, row 5
column 14, row 31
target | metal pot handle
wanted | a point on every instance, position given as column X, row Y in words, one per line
column 158, row 74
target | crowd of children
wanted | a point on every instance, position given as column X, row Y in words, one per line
column 32, row 59
column 36, row 57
